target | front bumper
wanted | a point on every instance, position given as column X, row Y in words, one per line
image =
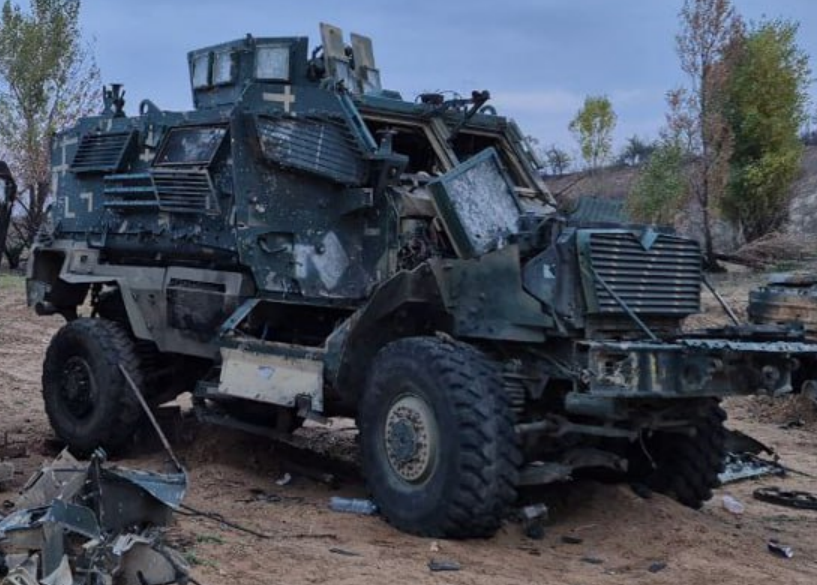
column 689, row 368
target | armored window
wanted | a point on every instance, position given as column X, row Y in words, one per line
column 190, row 146
column 272, row 62
column 201, row 70
column 223, row 68
column 477, row 203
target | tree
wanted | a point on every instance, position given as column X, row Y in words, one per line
column 557, row 161
column 8, row 196
column 593, row 128
column 710, row 29
column 636, row 152
column 766, row 107
column 661, row 186
column 48, row 79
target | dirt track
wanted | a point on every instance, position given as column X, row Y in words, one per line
column 621, row 533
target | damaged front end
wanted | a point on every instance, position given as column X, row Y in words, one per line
column 84, row 523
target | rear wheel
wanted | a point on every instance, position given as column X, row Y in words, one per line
column 439, row 450
column 686, row 466
column 87, row 399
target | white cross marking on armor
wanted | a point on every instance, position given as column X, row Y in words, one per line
column 58, row 171
column 146, row 156
column 88, row 196
column 287, row 98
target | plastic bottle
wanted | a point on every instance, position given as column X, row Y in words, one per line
column 353, row 506
column 733, row 505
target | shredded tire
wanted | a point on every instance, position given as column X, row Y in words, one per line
column 110, row 413
column 687, row 467
column 473, row 485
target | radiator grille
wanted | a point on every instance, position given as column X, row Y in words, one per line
column 99, row 153
column 321, row 146
column 188, row 191
column 664, row 279
column 130, row 192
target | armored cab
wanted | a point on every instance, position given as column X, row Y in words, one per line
column 306, row 244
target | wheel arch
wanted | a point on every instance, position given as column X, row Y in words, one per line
column 408, row 305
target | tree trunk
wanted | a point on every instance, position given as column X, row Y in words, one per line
column 5, row 220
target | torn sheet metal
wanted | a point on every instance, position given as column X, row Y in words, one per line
column 62, row 479
column 741, row 466
column 86, row 523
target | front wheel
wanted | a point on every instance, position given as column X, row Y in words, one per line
column 87, row 399
column 686, row 466
column 439, row 450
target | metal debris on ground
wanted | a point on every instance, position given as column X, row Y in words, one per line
column 285, row 479
column 789, row 498
column 657, row 567
column 741, row 466
column 533, row 519
column 88, row 523
column 440, row 566
column 780, row 550
column 567, row 539
column 344, row 553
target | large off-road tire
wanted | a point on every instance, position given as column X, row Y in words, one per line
column 440, row 455
column 687, row 467
column 87, row 399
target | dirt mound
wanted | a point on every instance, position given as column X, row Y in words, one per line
column 792, row 410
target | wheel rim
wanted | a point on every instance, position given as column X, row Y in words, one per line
column 77, row 387
column 411, row 438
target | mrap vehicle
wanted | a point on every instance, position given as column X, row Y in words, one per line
column 305, row 244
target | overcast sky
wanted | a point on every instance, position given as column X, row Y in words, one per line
column 539, row 58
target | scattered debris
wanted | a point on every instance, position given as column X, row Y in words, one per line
column 85, row 523
column 434, row 547
column 353, row 505
column 780, row 550
column 344, row 552
column 733, row 505
column 567, row 539
column 323, row 477
column 533, row 519
column 791, row 499
column 797, row 423
column 260, row 495
column 593, row 560
column 657, row 567
column 286, row 479
column 439, row 566
column 748, row 465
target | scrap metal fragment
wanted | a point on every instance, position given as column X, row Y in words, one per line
column 789, row 498
column 741, row 466
column 439, row 566
column 780, row 550
column 87, row 524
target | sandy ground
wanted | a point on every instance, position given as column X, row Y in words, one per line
column 622, row 535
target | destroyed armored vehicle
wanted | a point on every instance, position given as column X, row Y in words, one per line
column 791, row 299
column 305, row 244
